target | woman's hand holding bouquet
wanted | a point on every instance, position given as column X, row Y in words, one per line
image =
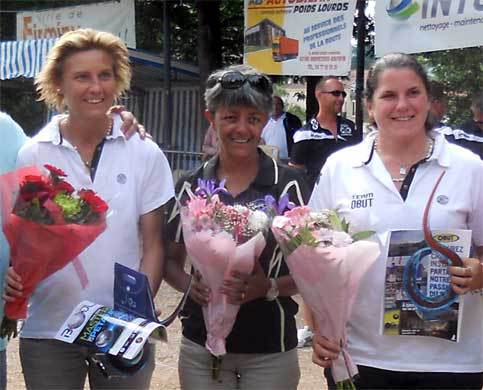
column 223, row 243
column 47, row 225
column 327, row 264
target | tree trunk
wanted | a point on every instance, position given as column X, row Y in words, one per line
column 209, row 43
column 361, row 53
column 311, row 105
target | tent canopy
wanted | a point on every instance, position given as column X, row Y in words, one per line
column 26, row 58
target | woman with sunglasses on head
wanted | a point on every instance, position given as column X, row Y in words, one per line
column 85, row 72
column 261, row 350
column 395, row 170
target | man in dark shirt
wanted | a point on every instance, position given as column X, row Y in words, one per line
column 469, row 135
column 474, row 127
column 324, row 134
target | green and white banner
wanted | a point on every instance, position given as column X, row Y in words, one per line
column 414, row 26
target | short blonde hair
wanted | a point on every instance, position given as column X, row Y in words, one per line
column 50, row 76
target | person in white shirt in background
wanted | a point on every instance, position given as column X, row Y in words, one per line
column 279, row 129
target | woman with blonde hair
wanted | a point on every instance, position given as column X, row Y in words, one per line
column 85, row 72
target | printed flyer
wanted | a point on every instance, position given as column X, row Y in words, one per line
column 418, row 300
column 293, row 37
column 109, row 331
column 122, row 331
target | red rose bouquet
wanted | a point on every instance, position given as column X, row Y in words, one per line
column 47, row 226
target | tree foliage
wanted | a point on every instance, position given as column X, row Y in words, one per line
column 184, row 29
column 460, row 71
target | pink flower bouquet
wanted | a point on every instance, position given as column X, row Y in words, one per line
column 220, row 239
column 327, row 265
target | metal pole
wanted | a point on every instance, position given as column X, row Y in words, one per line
column 167, row 103
column 361, row 54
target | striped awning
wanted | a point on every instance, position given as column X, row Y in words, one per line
column 23, row 58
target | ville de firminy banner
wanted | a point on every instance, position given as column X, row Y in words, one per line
column 299, row 37
column 116, row 17
column 415, row 26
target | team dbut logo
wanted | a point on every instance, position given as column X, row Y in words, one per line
column 402, row 9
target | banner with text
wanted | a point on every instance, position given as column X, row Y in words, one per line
column 293, row 37
column 116, row 17
column 411, row 26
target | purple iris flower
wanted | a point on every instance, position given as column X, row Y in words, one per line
column 209, row 188
column 282, row 205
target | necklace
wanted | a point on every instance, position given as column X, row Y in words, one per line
column 403, row 168
column 87, row 163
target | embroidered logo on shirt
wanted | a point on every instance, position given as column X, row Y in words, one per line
column 442, row 199
column 314, row 124
column 121, row 178
column 362, row 201
column 345, row 129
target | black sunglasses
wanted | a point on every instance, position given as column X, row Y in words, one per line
column 336, row 93
column 234, row 80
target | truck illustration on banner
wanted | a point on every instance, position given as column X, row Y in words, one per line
column 267, row 34
column 284, row 49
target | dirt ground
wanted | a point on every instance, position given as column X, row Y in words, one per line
column 166, row 374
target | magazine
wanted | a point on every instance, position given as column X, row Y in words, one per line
column 121, row 331
column 109, row 331
column 418, row 300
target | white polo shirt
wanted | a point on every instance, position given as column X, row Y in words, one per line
column 134, row 178
column 360, row 189
column 274, row 135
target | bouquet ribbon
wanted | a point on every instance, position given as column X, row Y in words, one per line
column 425, row 304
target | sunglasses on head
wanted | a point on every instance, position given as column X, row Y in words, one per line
column 234, row 80
column 336, row 93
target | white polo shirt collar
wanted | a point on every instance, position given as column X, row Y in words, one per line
column 52, row 134
column 365, row 150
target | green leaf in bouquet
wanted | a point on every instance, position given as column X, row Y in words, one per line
column 335, row 221
column 345, row 385
column 306, row 237
column 362, row 235
column 345, row 225
column 70, row 206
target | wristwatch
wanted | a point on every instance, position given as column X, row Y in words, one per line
column 272, row 292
